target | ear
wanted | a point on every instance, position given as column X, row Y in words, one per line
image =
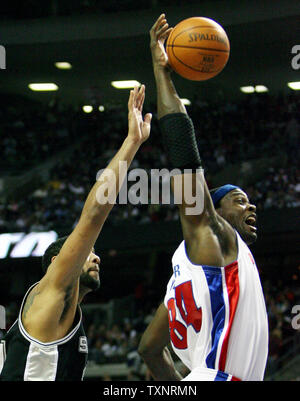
column 53, row 257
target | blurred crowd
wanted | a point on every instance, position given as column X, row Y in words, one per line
column 259, row 126
column 32, row 133
column 283, row 322
column 119, row 343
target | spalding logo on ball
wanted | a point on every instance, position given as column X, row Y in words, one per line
column 198, row 48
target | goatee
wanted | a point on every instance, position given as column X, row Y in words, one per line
column 88, row 281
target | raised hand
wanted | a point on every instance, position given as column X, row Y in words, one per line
column 158, row 35
column 138, row 128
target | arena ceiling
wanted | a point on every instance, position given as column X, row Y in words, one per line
column 115, row 46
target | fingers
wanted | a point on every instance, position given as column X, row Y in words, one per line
column 136, row 98
column 161, row 19
column 160, row 29
column 158, row 23
column 140, row 98
column 148, row 118
column 136, row 102
column 131, row 100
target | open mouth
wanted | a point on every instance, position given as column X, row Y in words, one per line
column 251, row 222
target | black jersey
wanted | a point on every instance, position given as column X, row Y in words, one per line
column 27, row 359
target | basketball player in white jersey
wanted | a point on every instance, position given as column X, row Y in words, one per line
column 47, row 342
column 214, row 311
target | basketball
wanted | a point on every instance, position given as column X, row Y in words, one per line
column 198, row 48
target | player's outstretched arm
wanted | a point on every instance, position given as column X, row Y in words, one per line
column 197, row 213
column 46, row 302
column 153, row 347
column 175, row 124
column 67, row 265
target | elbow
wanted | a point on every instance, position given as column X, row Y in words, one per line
column 145, row 350
column 150, row 352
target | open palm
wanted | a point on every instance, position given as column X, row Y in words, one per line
column 139, row 127
column 158, row 35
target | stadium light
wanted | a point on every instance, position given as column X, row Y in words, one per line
column 87, row 108
column 43, row 87
column 63, row 65
column 247, row 89
column 261, row 88
column 125, row 84
column 294, row 85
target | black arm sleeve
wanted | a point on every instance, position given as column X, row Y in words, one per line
column 179, row 141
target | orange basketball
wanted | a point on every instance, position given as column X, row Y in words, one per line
column 198, row 48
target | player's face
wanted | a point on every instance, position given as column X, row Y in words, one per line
column 90, row 277
column 240, row 213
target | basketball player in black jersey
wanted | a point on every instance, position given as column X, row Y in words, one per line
column 47, row 342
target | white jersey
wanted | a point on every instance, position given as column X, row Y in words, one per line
column 217, row 317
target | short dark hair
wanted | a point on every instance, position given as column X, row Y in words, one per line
column 52, row 250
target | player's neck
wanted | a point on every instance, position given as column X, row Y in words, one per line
column 82, row 293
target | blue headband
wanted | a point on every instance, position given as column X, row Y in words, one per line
column 222, row 191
